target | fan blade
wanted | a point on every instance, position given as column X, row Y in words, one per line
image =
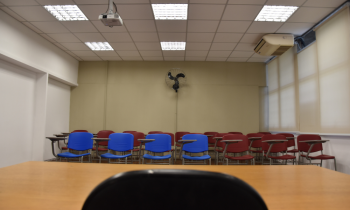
column 170, row 76
column 176, row 85
column 180, row 75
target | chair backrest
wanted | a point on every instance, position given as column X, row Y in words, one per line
column 172, row 137
column 180, row 134
column 154, row 132
column 304, row 147
column 129, row 131
column 137, row 135
column 104, row 134
column 279, row 147
column 235, row 132
column 76, row 131
column 162, row 142
column 241, row 146
column 265, row 132
column 257, row 143
column 121, row 142
column 198, row 184
column 291, row 142
column 80, row 141
column 201, row 145
column 219, row 144
column 211, row 139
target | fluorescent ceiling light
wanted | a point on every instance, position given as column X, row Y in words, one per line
column 275, row 13
column 170, row 11
column 99, row 46
column 173, row 45
column 66, row 12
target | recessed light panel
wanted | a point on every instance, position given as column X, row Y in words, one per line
column 99, row 46
column 170, row 11
column 173, row 45
column 275, row 13
column 66, row 12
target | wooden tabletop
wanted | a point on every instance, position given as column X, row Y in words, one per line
column 61, row 185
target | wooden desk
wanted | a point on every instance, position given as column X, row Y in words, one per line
column 61, row 185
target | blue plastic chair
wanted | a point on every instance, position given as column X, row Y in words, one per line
column 79, row 141
column 119, row 142
column 161, row 144
column 199, row 146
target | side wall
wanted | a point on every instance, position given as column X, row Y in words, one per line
column 122, row 96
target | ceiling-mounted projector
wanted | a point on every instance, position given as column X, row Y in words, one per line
column 111, row 18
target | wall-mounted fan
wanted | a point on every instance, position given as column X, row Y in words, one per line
column 175, row 78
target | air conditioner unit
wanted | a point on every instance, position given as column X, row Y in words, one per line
column 274, row 44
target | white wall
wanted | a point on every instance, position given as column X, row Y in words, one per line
column 57, row 113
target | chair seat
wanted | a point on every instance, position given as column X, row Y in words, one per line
column 112, row 156
column 71, row 155
column 100, row 149
column 322, row 157
column 283, row 157
column 244, row 157
column 204, row 157
column 148, row 156
column 293, row 151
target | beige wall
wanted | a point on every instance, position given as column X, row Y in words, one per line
column 218, row 96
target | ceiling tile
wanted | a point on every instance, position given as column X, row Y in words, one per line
column 259, row 60
column 198, row 46
column 227, row 37
column 152, row 58
column 102, row 28
column 295, row 28
column 153, row 53
column 55, row 2
column 221, row 53
column 169, row 1
column 138, row 12
column 173, row 53
column 196, row 53
column 12, row 14
column 255, row 55
column 60, row 46
column 259, row 2
column 174, row 58
column 131, row 58
column 205, row 12
column 47, row 37
column 209, row 1
column 67, row 37
column 34, row 13
column 117, row 37
column 237, row 59
column 90, row 58
column 318, row 3
column 75, row 46
column 251, row 38
column 245, row 47
column 241, row 12
column 171, row 25
column 148, row 46
column 81, row 53
column 19, row 2
column 124, row 46
column 223, row 46
column 106, row 2
column 140, row 25
column 31, row 26
column 309, row 15
column 105, row 53
column 241, row 54
column 127, row 53
column 110, row 58
column 90, row 37
column 50, row 27
column 215, row 59
column 172, row 37
column 200, row 37
column 190, row 58
column 79, row 26
column 202, row 26
column 264, row 27
column 297, row 3
column 145, row 37
column 93, row 11
column 234, row 26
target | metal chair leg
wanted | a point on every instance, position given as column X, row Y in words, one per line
column 335, row 165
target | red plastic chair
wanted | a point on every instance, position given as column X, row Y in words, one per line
column 317, row 147
column 211, row 140
column 255, row 144
column 219, row 147
column 154, row 132
column 264, row 132
column 129, row 131
column 290, row 143
column 103, row 134
column 239, row 147
column 235, row 133
column 178, row 136
column 269, row 148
